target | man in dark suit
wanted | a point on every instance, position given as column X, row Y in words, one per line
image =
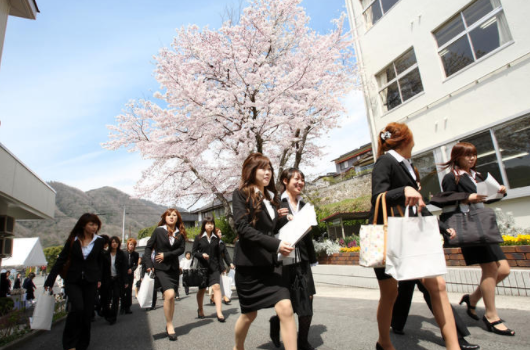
column 132, row 264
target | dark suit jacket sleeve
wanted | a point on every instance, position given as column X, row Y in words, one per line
column 134, row 258
column 224, row 253
column 58, row 266
column 100, row 265
column 195, row 250
column 244, row 228
column 382, row 182
column 149, row 249
column 174, row 254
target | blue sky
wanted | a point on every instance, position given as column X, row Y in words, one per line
column 65, row 76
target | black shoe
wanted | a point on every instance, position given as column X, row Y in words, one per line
column 199, row 314
column 221, row 319
column 128, row 312
column 275, row 330
column 378, row 347
column 122, row 311
column 227, row 302
column 465, row 299
column 172, row 336
column 491, row 327
column 464, row 345
column 398, row 331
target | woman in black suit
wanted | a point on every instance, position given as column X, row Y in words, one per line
column 293, row 181
column 114, row 275
column 82, row 259
column 460, row 193
column 258, row 277
column 393, row 173
column 207, row 251
column 168, row 241
column 132, row 258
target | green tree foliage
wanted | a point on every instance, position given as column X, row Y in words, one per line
column 146, row 232
column 229, row 235
column 51, row 254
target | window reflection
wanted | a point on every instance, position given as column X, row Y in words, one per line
column 428, row 176
column 486, row 157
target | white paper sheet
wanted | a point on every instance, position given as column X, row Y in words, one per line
column 490, row 188
column 297, row 228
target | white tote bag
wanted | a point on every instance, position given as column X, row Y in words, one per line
column 372, row 238
column 226, row 287
column 414, row 248
column 145, row 294
column 43, row 313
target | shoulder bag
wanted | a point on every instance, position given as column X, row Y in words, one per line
column 195, row 276
column 474, row 228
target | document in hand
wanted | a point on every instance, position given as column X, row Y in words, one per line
column 489, row 187
column 297, row 228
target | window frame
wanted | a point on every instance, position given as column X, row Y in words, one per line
column 466, row 32
column 383, row 13
column 397, row 77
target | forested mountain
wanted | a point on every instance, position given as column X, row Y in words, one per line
column 107, row 202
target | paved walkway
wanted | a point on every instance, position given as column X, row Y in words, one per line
column 344, row 319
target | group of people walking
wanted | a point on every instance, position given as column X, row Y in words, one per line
column 262, row 279
column 395, row 175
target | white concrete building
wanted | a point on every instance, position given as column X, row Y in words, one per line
column 23, row 195
column 453, row 70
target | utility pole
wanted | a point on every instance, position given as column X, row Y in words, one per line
column 123, row 226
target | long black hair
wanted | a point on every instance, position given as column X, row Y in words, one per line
column 79, row 228
column 206, row 220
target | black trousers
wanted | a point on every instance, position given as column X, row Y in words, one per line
column 401, row 309
column 113, row 299
column 81, row 298
column 126, row 298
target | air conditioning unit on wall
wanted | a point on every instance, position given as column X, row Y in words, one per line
column 7, row 227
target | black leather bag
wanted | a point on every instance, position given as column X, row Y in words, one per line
column 300, row 298
column 474, row 228
column 196, row 276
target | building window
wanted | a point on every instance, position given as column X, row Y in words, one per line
column 426, row 165
column 487, row 161
column 513, row 140
column 399, row 81
column 471, row 34
column 375, row 9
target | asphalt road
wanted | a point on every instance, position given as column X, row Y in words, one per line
column 344, row 319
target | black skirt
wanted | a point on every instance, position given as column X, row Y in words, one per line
column 483, row 254
column 289, row 273
column 168, row 279
column 259, row 287
column 214, row 277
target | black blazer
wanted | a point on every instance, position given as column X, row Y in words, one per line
column 225, row 256
column 132, row 263
column 89, row 269
column 257, row 245
column 453, row 192
column 120, row 264
column 159, row 241
column 392, row 177
column 305, row 246
column 201, row 246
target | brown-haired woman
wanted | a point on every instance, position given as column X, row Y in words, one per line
column 393, row 174
column 168, row 241
column 82, row 256
column 460, row 184
column 258, row 278
column 132, row 258
column 206, row 250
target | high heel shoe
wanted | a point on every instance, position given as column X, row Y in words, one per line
column 221, row 319
column 491, row 327
column 227, row 302
column 465, row 299
column 378, row 347
column 172, row 336
column 199, row 314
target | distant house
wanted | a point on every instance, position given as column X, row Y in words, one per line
column 359, row 159
column 214, row 208
column 189, row 218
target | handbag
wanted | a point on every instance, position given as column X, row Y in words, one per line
column 195, row 276
column 372, row 238
column 226, row 287
column 476, row 227
column 145, row 294
column 43, row 313
column 300, row 298
column 414, row 248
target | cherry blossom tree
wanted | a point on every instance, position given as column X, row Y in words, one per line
column 268, row 84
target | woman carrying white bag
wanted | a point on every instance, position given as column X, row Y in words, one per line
column 393, row 173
